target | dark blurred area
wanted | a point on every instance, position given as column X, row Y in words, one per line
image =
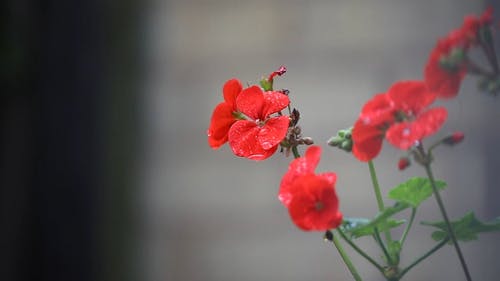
column 70, row 75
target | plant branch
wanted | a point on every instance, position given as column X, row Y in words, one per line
column 378, row 196
column 359, row 251
column 376, row 235
column 423, row 257
column 408, row 226
column 447, row 221
column 346, row 258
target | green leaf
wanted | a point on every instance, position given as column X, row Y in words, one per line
column 358, row 227
column 466, row 228
column 414, row 191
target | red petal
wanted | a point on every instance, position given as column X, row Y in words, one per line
column 274, row 102
column 329, row 176
column 367, row 141
column 411, row 96
column 431, row 120
column 221, row 121
column 445, row 83
column 404, row 135
column 273, row 132
column 315, row 205
column 378, row 110
column 231, row 90
column 298, row 167
column 250, row 102
column 243, row 139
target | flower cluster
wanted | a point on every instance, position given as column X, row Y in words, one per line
column 251, row 121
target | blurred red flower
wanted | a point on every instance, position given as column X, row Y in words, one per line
column 400, row 116
column 447, row 63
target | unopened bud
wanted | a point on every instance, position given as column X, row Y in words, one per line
column 278, row 72
column 454, row 138
column 346, row 145
column 403, row 163
column 308, row 141
column 335, row 141
column 342, row 140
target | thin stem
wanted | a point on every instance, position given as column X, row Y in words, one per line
column 447, row 221
column 346, row 258
column 408, row 226
column 382, row 246
column 489, row 51
column 378, row 195
column 423, row 257
column 474, row 69
column 295, row 152
column 360, row 252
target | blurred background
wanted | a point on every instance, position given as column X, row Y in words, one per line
column 105, row 170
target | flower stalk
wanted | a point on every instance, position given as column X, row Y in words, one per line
column 343, row 254
column 449, row 227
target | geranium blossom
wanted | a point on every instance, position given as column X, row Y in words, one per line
column 314, row 205
column 400, row 116
column 257, row 133
column 310, row 198
column 447, row 63
column 223, row 115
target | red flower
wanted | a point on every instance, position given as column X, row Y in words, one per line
column 446, row 66
column 400, row 116
column 310, row 198
column 406, row 134
column 472, row 24
column 444, row 81
column 367, row 140
column 410, row 100
column 314, row 205
column 223, row 114
column 258, row 135
column 300, row 167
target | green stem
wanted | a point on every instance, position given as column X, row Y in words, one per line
column 447, row 221
column 359, row 251
column 346, row 258
column 423, row 257
column 382, row 246
column 295, row 152
column 408, row 226
column 378, row 195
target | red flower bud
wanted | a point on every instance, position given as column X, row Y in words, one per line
column 404, row 162
column 278, row 72
column 454, row 138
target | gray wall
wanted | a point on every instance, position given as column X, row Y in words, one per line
column 211, row 216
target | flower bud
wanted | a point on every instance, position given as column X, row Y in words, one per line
column 342, row 140
column 454, row 138
column 308, row 141
column 403, row 163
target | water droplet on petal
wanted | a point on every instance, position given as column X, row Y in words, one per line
column 406, row 132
